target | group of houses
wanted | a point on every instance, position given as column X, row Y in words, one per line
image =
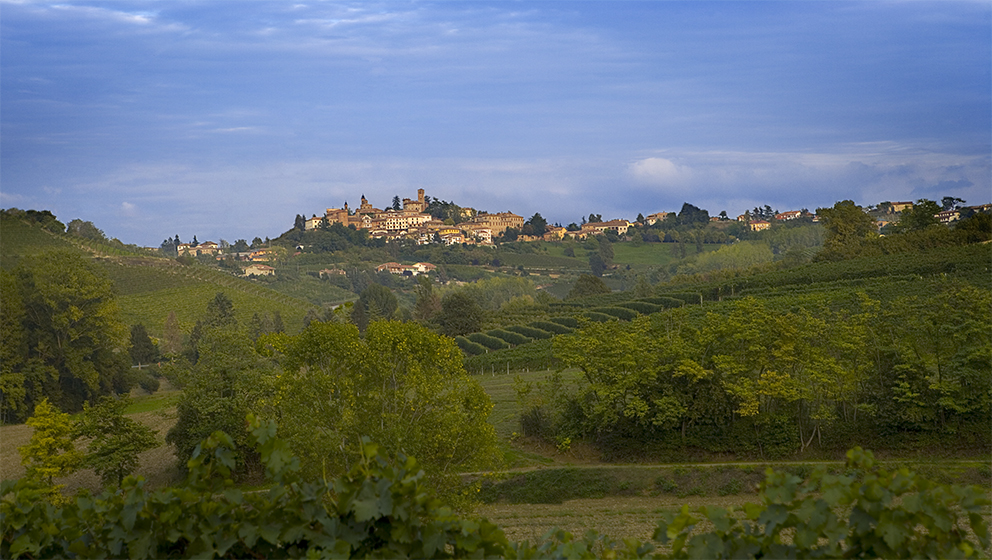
column 411, row 221
column 254, row 258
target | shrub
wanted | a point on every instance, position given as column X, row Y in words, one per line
column 490, row 342
column 551, row 327
column 618, row 312
column 665, row 302
column 570, row 322
column 510, row 337
column 469, row 347
column 641, row 307
column 530, row 332
column 598, row 317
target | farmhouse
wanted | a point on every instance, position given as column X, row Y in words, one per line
column 255, row 269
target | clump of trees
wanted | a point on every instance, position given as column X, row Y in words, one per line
column 63, row 337
column 760, row 380
column 113, row 443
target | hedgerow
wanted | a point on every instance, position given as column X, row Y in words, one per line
column 469, row 347
column 618, row 312
column 570, row 322
column 530, row 332
column 509, row 337
column 490, row 342
column 550, row 327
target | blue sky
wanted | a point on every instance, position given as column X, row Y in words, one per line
column 226, row 119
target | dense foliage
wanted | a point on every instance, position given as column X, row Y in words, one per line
column 757, row 379
column 381, row 509
column 63, row 338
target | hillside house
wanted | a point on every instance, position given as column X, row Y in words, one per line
column 596, row 228
column 948, row 216
column 652, row 219
column 790, row 215
column 255, row 269
column 759, row 225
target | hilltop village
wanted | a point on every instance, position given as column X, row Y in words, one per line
column 423, row 221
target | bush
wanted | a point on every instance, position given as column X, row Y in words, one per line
column 641, row 307
column 534, row 356
column 490, row 342
column 550, row 327
column 618, row 312
column 570, row 322
column 509, row 337
column 664, row 301
column 598, row 317
column 530, row 332
column 469, row 347
column 689, row 298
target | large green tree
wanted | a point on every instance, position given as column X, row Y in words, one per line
column 72, row 344
column 402, row 385
column 376, row 302
column 849, row 230
column 460, row 314
column 587, row 286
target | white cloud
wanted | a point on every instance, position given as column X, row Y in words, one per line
column 660, row 171
column 128, row 209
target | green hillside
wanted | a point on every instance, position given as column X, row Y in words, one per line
column 150, row 287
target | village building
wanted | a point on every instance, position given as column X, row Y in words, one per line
column 498, row 223
column 790, row 215
column 416, row 206
column 652, row 219
column 759, row 225
column 255, row 269
column 205, row 248
column 618, row 226
column 406, row 269
column 948, row 216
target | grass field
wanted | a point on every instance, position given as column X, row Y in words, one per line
column 18, row 239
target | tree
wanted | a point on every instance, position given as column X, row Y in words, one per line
column 396, row 203
column 849, row 229
column 640, row 218
column 13, row 392
column 376, row 302
column 74, row 345
column 510, row 234
column 402, row 386
column 587, row 286
column 115, row 440
column 227, row 380
column 172, row 337
column 606, row 250
column 194, row 243
column 52, row 451
column 595, row 218
column 692, row 215
column 951, row 203
column 257, row 243
column 240, row 246
column 86, row 230
column 142, row 350
column 460, row 315
column 596, row 264
column 428, row 302
column 921, row 216
column 300, row 223
column 538, row 224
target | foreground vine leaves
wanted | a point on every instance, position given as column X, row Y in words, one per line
column 383, row 509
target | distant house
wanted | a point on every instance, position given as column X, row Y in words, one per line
column 205, row 248
column 410, row 270
column 759, row 225
column 948, row 216
column 651, row 219
column 896, row 207
column 332, row 272
column 262, row 255
column 618, row 226
column 790, row 215
column 255, row 269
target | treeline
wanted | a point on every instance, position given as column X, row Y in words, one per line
column 753, row 379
